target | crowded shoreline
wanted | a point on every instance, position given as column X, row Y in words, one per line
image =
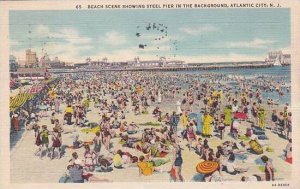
column 155, row 126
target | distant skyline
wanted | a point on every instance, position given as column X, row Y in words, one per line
column 207, row 35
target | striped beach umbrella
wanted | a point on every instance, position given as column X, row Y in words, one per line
column 207, row 167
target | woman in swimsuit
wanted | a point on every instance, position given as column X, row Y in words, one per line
column 191, row 135
column 38, row 140
column 177, row 161
column 89, row 157
column 106, row 137
column 56, row 143
column 269, row 170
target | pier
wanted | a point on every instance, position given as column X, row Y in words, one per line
column 164, row 69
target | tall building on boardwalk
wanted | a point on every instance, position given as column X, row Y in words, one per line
column 31, row 59
column 13, row 65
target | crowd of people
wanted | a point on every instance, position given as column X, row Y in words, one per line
column 191, row 111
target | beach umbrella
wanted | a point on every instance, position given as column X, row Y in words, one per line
column 207, row 167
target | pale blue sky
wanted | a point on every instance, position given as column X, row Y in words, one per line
column 202, row 35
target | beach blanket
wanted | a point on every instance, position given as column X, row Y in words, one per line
column 240, row 115
column 262, row 137
column 163, row 154
column 88, row 130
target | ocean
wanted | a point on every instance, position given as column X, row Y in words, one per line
column 276, row 73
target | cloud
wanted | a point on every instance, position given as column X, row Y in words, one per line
column 69, row 45
column 72, row 36
column 41, row 31
column 66, row 43
column 113, row 38
column 199, row 30
column 286, row 50
column 255, row 43
column 69, row 35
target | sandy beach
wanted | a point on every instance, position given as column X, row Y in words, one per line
column 28, row 168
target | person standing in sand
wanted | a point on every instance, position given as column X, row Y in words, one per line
column 45, row 140
column 97, row 143
column 288, row 152
column 57, row 104
column 207, row 127
column 159, row 100
column 38, row 141
column 289, row 125
column 191, row 135
column 177, row 162
column 228, row 115
column 15, row 122
column 269, row 169
column 184, row 120
column 174, row 119
column 261, row 118
column 178, row 105
column 89, row 159
column 56, row 143
column 254, row 111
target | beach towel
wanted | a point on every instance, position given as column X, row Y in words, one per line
column 240, row 115
column 163, row 154
column 262, row 137
column 258, row 131
column 157, row 154
column 198, row 177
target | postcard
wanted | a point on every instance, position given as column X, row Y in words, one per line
column 153, row 94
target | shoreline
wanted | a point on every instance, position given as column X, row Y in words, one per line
column 162, row 69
